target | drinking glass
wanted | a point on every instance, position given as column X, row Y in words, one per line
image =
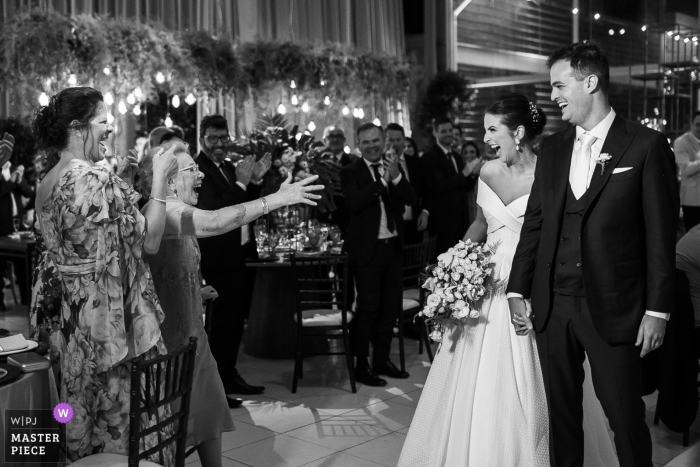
column 273, row 239
column 335, row 234
column 314, row 237
column 313, row 224
column 324, row 230
column 260, row 236
column 15, row 224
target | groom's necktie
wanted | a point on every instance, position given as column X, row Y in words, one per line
column 582, row 159
column 385, row 199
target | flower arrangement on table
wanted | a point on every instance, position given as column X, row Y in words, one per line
column 458, row 283
column 291, row 151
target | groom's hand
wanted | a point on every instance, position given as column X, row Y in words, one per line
column 651, row 334
column 519, row 316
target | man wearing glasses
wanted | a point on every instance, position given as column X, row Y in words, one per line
column 224, row 256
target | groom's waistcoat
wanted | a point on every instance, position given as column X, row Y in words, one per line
column 568, row 274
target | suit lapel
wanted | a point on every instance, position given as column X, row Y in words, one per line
column 561, row 155
column 616, row 143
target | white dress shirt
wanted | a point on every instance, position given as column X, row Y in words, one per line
column 600, row 131
column 384, row 231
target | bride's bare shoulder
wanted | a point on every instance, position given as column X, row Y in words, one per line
column 490, row 171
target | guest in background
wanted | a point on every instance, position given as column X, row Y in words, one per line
column 12, row 187
column 687, row 152
column 446, row 185
column 416, row 216
column 158, row 135
column 376, row 193
column 412, row 148
column 473, row 162
column 456, row 145
column 224, row 256
column 688, row 261
column 334, row 138
column 176, row 275
column 140, row 143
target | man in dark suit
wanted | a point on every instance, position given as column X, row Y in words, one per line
column 376, row 193
column 416, row 216
column 334, row 138
column 224, row 256
column 597, row 257
column 446, row 185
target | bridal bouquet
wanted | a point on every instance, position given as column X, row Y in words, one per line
column 457, row 284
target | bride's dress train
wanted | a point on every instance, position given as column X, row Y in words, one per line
column 484, row 402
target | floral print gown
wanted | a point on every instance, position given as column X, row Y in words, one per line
column 109, row 312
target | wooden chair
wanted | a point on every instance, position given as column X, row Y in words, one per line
column 147, row 397
column 322, row 307
column 415, row 259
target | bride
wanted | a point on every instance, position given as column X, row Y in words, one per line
column 484, row 402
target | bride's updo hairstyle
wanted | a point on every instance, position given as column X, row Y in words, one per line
column 52, row 122
column 515, row 110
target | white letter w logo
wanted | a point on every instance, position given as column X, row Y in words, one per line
column 63, row 413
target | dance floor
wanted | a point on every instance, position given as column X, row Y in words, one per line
column 325, row 425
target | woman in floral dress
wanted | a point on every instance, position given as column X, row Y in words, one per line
column 95, row 240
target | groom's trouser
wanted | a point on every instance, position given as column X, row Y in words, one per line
column 617, row 379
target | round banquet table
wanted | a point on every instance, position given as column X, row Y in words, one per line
column 36, row 390
column 271, row 331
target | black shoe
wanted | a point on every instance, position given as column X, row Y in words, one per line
column 239, row 386
column 387, row 368
column 234, row 403
column 366, row 376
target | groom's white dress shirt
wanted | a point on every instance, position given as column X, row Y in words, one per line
column 600, row 132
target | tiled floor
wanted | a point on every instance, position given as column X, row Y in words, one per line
column 325, row 425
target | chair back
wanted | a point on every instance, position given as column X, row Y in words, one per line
column 151, row 394
column 321, row 283
column 415, row 259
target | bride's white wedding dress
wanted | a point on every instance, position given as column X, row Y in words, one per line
column 484, row 403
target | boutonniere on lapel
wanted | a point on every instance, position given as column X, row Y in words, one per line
column 602, row 159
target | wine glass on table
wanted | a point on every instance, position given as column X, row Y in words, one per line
column 260, row 230
column 335, row 235
column 273, row 239
column 324, row 230
column 15, row 224
column 314, row 237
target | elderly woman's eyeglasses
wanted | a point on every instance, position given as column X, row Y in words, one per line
column 212, row 139
column 194, row 168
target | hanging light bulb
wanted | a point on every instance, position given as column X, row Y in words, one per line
column 168, row 121
column 327, row 100
column 138, row 93
column 346, row 110
column 48, row 82
column 110, row 118
column 622, row 31
column 295, row 99
column 346, row 149
column 160, row 78
column 72, row 80
column 361, row 114
column 43, row 99
column 312, row 126
column 293, row 85
column 281, row 109
column 109, row 98
column 377, row 122
column 298, row 136
column 677, row 37
column 323, row 82
column 355, row 113
column 190, row 99
column 106, row 71
column 137, row 110
column 305, row 107
column 176, row 101
column 121, row 107
column 644, row 28
column 130, row 99
column 686, row 40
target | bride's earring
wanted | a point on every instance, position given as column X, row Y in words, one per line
column 517, row 144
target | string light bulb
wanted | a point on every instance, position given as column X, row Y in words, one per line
column 644, row 28
column 295, row 99
column 361, row 113
column 305, row 107
column 138, row 94
column 611, row 32
column 130, row 99
column 108, row 98
column 190, row 99
column 43, row 99
column 137, row 110
column 622, row 31
column 327, row 100
column 678, row 37
column 110, row 118
column 323, row 82
column 107, row 71
column 72, row 80
column 160, row 77
column 346, row 149
column 355, row 113
column 346, row 110
column 575, row 11
column 281, row 109
column 377, row 122
column 686, row 40
column 175, row 101
column 669, row 33
column 312, row 126
column 168, row 121
column 293, row 85
column 121, row 107
column 596, row 16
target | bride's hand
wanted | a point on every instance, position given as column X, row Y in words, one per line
column 519, row 316
column 300, row 192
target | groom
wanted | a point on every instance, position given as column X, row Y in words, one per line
column 596, row 256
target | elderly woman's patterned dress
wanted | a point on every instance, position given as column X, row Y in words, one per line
column 94, row 235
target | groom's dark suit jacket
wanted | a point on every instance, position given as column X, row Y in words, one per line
column 628, row 233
